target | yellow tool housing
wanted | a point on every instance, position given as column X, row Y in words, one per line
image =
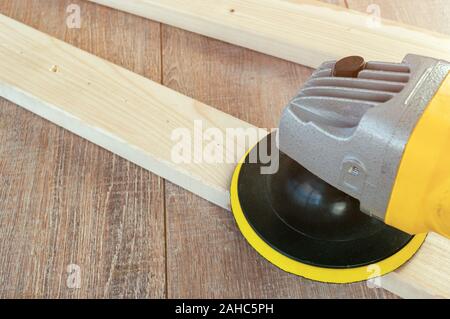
column 420, row 199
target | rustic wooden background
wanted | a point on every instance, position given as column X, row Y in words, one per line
column 65, row 201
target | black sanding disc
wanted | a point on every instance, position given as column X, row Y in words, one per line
column 308, row 220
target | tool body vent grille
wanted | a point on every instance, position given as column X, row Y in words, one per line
column 342, row 101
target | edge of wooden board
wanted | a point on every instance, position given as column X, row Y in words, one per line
column 307, row 32
column 134, row 117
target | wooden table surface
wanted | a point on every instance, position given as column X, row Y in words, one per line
column 79, row 222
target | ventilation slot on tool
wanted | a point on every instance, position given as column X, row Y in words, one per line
column 340, row 102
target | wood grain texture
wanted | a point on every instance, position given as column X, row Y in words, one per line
column 66, row 201
column 307, row 32
column 207, row 255
column 426, row 275
column 429, row 14
column 116, row 109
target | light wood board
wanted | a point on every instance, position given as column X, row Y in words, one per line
column 429, row 14
column 303, row 31
column 119, row 110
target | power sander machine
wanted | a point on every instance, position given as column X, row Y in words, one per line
column 364, row 171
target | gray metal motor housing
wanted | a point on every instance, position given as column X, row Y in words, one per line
column 352, row 132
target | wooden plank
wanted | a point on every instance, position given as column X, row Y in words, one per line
column 97, row 91
column 207, row 256
column 65, row 201
column 431, row 14
column 303, row 31
column 427, row 275
column 113, row 107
